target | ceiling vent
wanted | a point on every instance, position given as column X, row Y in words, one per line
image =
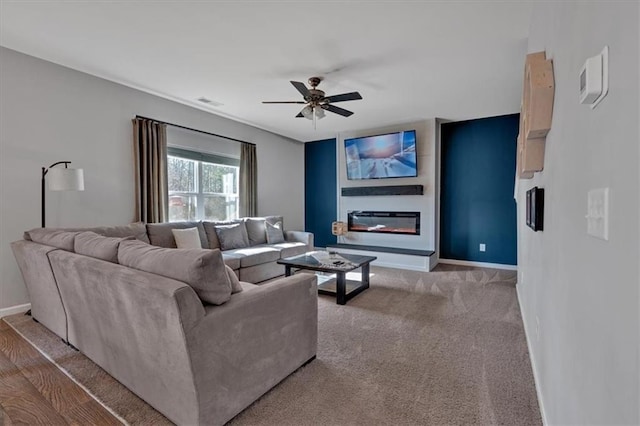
column 209, row 102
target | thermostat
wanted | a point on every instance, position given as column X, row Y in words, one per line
column 594, row 79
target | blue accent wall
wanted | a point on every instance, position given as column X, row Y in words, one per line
column 320, row 190
column 478, row 164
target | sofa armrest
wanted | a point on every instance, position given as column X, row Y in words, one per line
column 245, row 347
column 300, row 236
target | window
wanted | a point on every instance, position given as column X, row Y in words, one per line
column 202, row 186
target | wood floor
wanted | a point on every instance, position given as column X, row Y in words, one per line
column 34, row 391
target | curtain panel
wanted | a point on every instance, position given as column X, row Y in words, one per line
column 150, row 152
column 248, row 180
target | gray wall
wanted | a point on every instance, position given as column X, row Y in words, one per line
column 50, row 113
column 585, row 291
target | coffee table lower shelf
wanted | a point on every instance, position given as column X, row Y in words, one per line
column 328, row 285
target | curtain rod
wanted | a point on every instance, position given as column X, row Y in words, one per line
column 193, row 130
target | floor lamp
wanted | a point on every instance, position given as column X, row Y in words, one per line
column 61, row 180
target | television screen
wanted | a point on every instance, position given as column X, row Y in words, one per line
column 383, row 156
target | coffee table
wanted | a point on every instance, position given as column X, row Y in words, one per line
column 306, row 261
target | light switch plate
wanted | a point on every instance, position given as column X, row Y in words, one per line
column 483, row 247
column 598, row 213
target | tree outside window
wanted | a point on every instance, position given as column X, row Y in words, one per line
column 201, row 189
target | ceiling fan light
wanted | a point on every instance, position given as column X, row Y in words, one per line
column 319, row 113
column 307, row 112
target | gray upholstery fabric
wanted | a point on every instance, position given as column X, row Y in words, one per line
column 233, row 279
column 256, row 274
column 200, row 268
column 274, row 233
column 53, row 237
column 274, row 219
column 138, row 230
column 133, row 324
column 301, row 236
column 250, row 256
column 275, row 329
column 231, row 260
column 232, row 236
column 94, row 245
column 256, row 230
column 290, row 249
column 210, row 231
column 160, row 233
column 195, row 364
column 46, row 304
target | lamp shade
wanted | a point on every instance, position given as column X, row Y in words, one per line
column 63, row 179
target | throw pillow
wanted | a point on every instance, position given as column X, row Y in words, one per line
column 187, row 238
column 160, row 233
column 236, row 287
column 232, row 236
column 94, row 245
column 274, row 233
column 202, row 269
column 256, row 230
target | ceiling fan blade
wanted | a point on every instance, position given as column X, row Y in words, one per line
column 283, row 102
column 353, row 96
column 299, row 115
column 301, row 88
column 341, row 111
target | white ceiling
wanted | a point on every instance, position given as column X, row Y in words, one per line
column 410, row 60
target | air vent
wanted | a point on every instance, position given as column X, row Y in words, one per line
column 209, row 102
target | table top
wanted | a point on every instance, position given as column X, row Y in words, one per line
column 306, row 261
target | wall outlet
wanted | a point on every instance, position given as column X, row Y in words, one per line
column 483, row 247
column 537, row 328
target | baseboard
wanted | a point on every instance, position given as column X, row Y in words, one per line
column 536, row 377
column 14, row 309
column 479, row 264
column 400, row 266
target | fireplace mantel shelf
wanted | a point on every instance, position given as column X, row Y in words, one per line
column 382, row 249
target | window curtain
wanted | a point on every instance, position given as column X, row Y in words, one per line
column 150, row 150
column 248, row 180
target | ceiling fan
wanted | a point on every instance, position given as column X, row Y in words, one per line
column 317, row 102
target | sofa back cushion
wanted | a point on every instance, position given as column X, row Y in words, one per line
column 94, row 245
column 202, row 269
column 232, row 236
column 160, row 233
column 138, row 230
column 52, row 237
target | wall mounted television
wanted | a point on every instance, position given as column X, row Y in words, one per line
column 392, row 155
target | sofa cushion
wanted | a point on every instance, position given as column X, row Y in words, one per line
column 274, row 233
column 289, row 249
column 138, row 230
column 250, row 256
column 256, row 230
column 233, row 279
column 210, row 231
column 94, row 245
column 232, row 236
column 187, row 238
column 202, row 269
column 231, row 260
column 52, row 237
column 160, row 233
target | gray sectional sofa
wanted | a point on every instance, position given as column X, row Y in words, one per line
column 175, row 326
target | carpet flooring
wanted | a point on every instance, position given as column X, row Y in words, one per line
column 439, row 348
